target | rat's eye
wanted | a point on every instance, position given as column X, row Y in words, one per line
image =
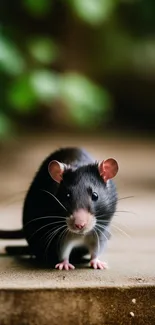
column 94, row 196
column 68, row 195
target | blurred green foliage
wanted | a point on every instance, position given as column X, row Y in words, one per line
column 21, row 95
column 37, row 8
column 93, row 11
column 83, row 107
column 12, row 61
column 30, row 62
column 43, row 50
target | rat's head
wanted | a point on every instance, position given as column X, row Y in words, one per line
column 87, row 193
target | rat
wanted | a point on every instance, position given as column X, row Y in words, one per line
column 68, row 208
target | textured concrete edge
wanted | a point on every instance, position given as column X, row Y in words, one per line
column 108, row 286
column 94, row 306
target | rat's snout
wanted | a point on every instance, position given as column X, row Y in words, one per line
column 81, row 221
column 80, row 218
column 80, row 225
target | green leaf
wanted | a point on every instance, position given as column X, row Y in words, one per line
column 43, row 49
column 11, row 61
column 21, row 95
column 45, row 85
column 5, row 125
column 37, row 7
column 85, row 100
column 93, row 11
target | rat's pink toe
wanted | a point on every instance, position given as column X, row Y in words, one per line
column 65, row 265
column 97, row 264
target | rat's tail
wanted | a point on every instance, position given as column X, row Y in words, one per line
column 12, row 234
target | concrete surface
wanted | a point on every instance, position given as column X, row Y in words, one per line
column 31, row 295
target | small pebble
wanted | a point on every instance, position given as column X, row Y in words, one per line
column 134, row 301
column 140, row 279
column 64, row 277
column 132, row 314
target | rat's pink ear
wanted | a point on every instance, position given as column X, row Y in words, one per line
column 108, row 168
column 56, row 170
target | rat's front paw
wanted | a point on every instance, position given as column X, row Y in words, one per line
column 97, row 264
column 65, row 265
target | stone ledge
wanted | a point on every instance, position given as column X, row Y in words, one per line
column 32, row 296
column 93, row 306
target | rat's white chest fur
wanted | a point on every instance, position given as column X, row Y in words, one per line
column 69, row 245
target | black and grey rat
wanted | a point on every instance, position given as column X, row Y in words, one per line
column 69, row 205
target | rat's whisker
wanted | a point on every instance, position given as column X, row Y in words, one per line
column 47, row 225
column 102, row 216
column 49, row 231
column 98, row 243
column 62, row 235
column 126, row 211
column 103, row 227
column 50, row 240
column 97, row 227
column 126, row 197
column 121, row 224
column 115, row 226
column 45, row 217
column 122, row 231
column 55, row 198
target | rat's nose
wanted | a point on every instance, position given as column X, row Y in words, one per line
column 80, row 225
